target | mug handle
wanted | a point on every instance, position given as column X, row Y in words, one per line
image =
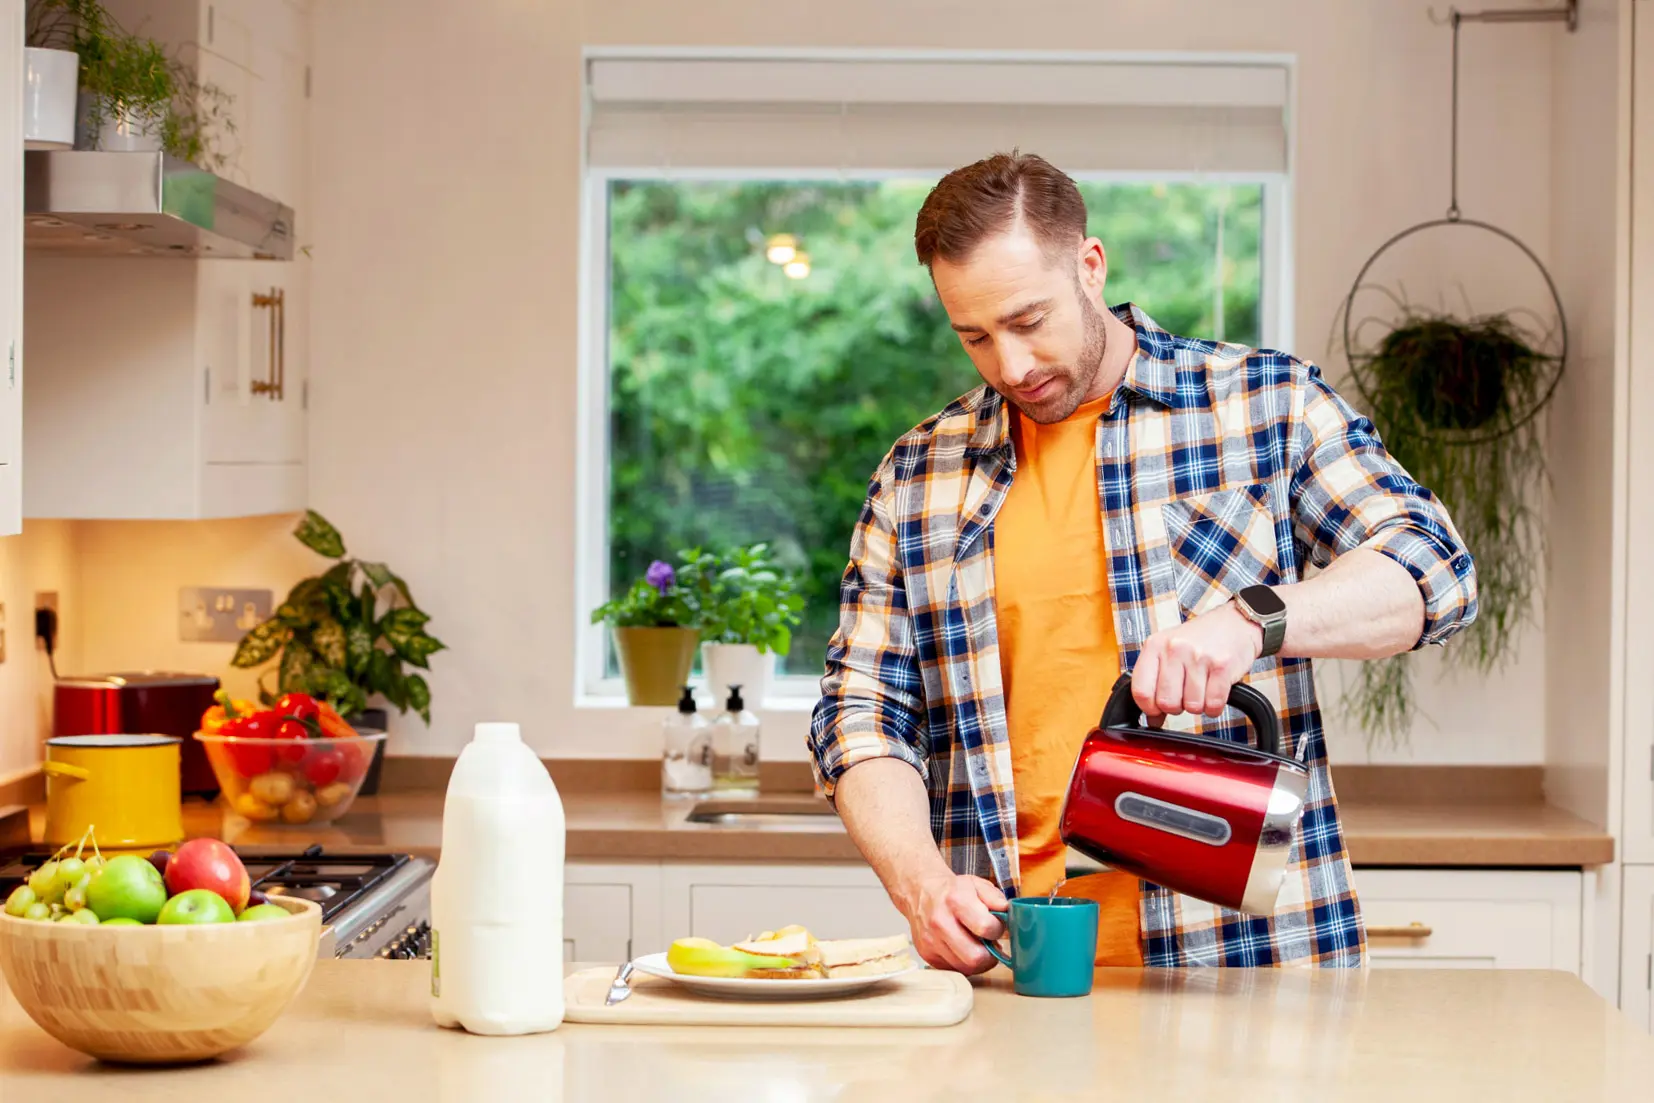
column 63, row 769
column 992, row 947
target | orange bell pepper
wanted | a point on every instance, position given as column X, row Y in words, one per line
column 228, row 708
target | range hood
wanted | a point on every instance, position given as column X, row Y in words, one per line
column 92, row 203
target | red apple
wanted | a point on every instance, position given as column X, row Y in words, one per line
column 209, row 864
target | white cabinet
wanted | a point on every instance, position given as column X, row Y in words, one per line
column 611, row 912
column 1637, row 841
column 179, row 389
column 1472, row 919
column 11, row 267
column 1637, row 950
column 729, row 902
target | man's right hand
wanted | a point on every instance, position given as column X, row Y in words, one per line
column 947, row 912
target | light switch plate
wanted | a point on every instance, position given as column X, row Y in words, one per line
column 211, row 614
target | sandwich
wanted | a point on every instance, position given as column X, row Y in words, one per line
column 813, row 958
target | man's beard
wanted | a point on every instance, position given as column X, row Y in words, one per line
column 1079, row 377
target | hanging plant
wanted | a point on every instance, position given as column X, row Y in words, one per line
column 1455, row 400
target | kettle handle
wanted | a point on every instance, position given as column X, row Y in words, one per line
column 1122, row 710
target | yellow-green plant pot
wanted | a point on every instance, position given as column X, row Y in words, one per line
column 655, row 662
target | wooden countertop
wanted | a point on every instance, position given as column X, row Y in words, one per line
column 361, row 1030
column 640, row 826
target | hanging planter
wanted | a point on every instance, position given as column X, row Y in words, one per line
column 1456, row 397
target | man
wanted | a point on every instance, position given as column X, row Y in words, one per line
column 1097, row 506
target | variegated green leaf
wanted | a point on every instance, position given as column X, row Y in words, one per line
column 329, row 642
column 261, row 644
column 315, row 533
column 419, row 697
column 358, row 647
column 297, row 665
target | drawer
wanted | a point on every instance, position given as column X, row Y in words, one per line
column 1472, row 919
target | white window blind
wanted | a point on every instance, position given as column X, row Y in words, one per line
column 660, row 114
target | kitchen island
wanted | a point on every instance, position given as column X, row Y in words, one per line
column 361, row 1030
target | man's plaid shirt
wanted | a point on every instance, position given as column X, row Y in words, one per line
column 1218, row 466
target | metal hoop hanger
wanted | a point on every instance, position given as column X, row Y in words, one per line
column 1569, row 14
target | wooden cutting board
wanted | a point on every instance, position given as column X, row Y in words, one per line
column 929, row 997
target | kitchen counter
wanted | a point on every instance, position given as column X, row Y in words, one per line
column 633, row 826
column 361, row 1030
column 1392, row 817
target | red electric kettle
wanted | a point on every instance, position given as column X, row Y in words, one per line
column 1205, row 817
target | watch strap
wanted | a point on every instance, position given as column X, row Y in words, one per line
column 1273, row 627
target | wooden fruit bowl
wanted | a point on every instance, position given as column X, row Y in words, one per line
column 159, row 994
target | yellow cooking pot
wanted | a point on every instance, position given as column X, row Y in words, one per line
column 126, row 786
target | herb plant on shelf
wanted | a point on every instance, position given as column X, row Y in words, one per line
column 747, row 607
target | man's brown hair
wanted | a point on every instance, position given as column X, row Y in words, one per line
column 973, row 203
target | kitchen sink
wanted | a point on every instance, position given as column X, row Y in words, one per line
column 794, row 813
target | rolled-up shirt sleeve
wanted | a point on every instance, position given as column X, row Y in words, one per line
column 1348, row 492
column 871, row 702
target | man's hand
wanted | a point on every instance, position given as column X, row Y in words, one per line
column 1190, row 668
column 947, row 912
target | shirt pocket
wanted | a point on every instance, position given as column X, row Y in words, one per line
column 1220, row 542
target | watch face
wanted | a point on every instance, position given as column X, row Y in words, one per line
column 1263, row 601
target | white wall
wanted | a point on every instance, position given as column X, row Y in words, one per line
column 446, row 230
column 41, row 559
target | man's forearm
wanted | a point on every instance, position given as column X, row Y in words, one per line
column 1365, row 605
column 886, row 810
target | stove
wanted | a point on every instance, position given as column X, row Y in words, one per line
column 373, row 905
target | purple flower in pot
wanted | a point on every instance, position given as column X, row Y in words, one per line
column 661, row 576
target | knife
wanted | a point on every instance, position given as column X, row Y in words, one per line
column 620, row 987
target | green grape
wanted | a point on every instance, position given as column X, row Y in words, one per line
column 19, row 900
column 37, row 910
column 69, row 870
column 94, row 863
column 85, row 918
column 75, row 898
column 41, row 880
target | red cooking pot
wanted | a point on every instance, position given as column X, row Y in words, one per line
column 1205, row 817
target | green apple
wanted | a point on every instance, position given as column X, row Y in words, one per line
column 127, row 887
column 120, row 921
column 197, row 906
column 263, row 911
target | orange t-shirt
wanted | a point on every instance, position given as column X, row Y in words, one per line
column 1057, row 652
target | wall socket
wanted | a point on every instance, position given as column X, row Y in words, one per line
column 211, row 614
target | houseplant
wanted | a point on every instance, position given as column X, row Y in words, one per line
column 1455, row 399
column 132, row 95
column 746, row 607
column 654, row 632
column 345, row 635
column 51, row 74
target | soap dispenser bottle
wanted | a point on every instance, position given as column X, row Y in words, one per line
column 735, row 745
column 686, row 754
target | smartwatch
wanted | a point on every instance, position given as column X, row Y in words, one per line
column 1263, row 607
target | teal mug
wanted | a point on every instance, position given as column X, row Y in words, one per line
column 1053, row 944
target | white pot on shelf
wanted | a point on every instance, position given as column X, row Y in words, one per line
column 737, row 664
column 118, row 127
column 51, row 82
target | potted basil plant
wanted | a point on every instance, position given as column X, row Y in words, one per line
column 654, row 635
column 747, row 607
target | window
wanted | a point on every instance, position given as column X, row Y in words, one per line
column 733, row 398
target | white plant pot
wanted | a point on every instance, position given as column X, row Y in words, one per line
column 51, row 80
column 122, row 129
column 737, row 664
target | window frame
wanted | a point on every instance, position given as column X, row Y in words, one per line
column 593, row 688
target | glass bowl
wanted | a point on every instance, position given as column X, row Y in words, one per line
column 290, row 782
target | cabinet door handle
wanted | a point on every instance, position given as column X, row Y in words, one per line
column 1414, row 930
column 275, row 384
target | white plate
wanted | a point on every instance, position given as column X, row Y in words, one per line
column 748, row 988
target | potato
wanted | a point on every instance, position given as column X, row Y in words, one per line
column 253, row 808
column 272, row 788
column 329, row 795
column 300, row 808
